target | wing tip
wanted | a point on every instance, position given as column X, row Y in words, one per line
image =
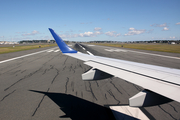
column 62, row 45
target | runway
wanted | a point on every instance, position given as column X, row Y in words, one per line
column 48, row 85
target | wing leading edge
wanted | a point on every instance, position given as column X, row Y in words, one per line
column 157, row 81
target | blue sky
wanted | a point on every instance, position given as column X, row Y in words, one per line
column 89, row 20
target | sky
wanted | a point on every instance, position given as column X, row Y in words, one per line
column 90, row 20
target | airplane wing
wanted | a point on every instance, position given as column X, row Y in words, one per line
column 161, row 84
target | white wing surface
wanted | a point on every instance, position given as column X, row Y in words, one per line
column 161, row 84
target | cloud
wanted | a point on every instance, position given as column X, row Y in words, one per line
column 133, row 31
column 150, row 31
column 97, row 28
column 159, row 25
column 162, row 25
column 69, row 34
column 98, row 33
column 112, row 34
column 32, row 33
column 178, row 23
column 85, row 34
column 21, row 32
column 165, row 29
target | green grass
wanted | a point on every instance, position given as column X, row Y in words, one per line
column 152, row 47
column 23, row 47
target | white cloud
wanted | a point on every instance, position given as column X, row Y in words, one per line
column 159, row 25
column 178, row 23
column 112, row 34
column 32, row 33
column 97, row 33
column 131, row 28
column 133, row 31
column 165, row 29
column 97, row 28
column 85, row 34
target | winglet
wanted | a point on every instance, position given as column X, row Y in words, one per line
column 62, row 45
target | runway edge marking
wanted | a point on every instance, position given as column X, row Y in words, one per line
column 25, row 55
column 106, row 47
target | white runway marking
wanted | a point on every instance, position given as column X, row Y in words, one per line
column 86, row 51
column 50, row 50
column 25, row 55
column 115, row 50
column 89, row 53
column 82, row 47
column 56, row 50
column 90, row 45
column 120, row 50
column 155, row 54
column 110, row 50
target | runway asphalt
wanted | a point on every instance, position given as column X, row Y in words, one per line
column 48, row 85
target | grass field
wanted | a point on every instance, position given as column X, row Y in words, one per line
column 153, row 47
column 23, row 47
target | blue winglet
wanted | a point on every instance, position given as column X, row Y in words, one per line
column 62, row 45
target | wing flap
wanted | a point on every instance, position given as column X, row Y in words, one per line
column 166, row 89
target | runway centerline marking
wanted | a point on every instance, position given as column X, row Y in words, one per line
column 90, row 53
column 82, row 47
column 25, row 55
